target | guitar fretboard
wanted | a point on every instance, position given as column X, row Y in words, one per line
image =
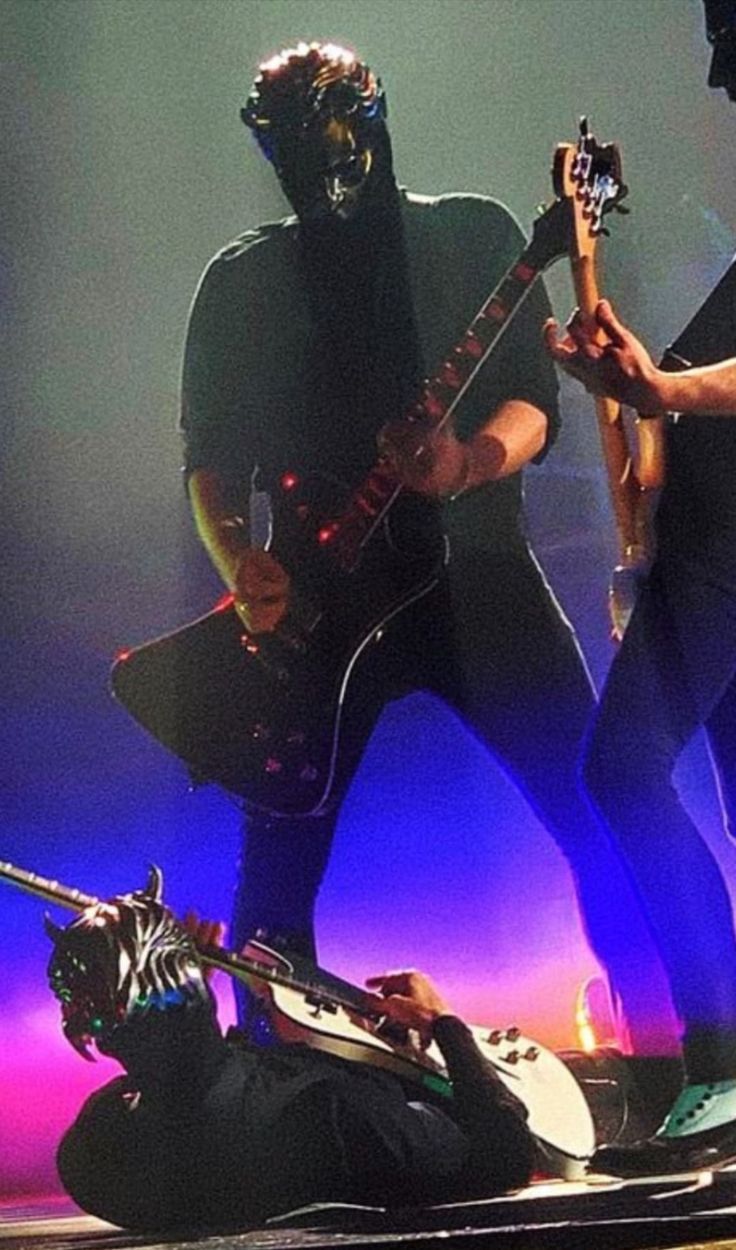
column 341, row 993
column 439, row 396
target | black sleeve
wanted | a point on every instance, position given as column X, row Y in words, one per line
column 124, row 1161
column 216, row 372
column 501, row 1146
column 133, row 1154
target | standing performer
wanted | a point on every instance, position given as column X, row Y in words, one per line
column 675, row 672
column 307, row 339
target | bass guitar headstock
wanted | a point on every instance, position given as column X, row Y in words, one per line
column 587, row 176
column 587, row 182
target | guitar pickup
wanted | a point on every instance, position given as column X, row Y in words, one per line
column 321, row 1004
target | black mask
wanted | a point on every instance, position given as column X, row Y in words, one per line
column 318, row 115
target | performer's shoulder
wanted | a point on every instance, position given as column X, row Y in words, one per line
column 271, row 236
column 263, row 245
column 460, row 208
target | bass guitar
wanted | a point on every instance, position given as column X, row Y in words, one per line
column 634, row 473
column 322, row 1011
column 262, row 714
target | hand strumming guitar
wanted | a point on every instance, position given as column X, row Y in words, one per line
column 258, row 582
column 261, row 589
column 411, row 999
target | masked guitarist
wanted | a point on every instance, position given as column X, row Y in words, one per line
column 675, row 673
column 307, row 339
column 206, row 1132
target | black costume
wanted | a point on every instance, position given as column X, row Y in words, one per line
column 301, row 344
column 676, row 672
column 208, row 1133
column 241, row 1133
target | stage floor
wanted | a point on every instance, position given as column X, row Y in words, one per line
column 686, row 1212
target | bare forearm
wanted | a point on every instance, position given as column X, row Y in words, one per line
column 513, row 436
column 708, row 391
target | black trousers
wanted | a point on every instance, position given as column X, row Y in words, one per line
column 676, row 672
column 492, row 642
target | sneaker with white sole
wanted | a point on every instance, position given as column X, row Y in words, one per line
column 699, row 1133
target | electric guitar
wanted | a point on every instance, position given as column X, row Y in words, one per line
column 262, row 714
column 322, row 1011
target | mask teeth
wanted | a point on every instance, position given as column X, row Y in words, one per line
column 82, row 1046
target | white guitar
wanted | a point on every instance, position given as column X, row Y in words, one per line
column 314, row 1007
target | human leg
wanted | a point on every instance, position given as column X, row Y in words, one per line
column 721, row 730
column 671, row 672
column 284, row 859
column 523, row 688
column 671, row 675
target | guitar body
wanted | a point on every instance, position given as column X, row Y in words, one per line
column 558, row 1114
column 261, row 714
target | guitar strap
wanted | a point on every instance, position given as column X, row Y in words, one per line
column 710, row 335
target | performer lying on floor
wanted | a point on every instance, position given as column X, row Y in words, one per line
column 208, row 1132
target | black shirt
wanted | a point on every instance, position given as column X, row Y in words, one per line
column 696, row 521
column 246, row 398
column 239, row 1134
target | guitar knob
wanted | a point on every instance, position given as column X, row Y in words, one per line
column 512, row 1057
column 273, row 766
column 532, row 1053
column 308, row 773
column 513, row 1034
column 495, row 1037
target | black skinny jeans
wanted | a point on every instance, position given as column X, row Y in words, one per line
column 492, row 642
column 675, row 672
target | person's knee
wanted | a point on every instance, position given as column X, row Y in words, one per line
column 620, row 774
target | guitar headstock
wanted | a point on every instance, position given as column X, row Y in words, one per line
column 587, row 175
column 588, row 185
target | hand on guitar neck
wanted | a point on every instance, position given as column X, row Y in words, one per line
column 612, row 364
column 607, row 358
column 430, row 461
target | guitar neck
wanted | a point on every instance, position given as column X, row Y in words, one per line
column 340, row 993
column 624, row 482
column 441, row 393
column 343, row 994
column 44, row 887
